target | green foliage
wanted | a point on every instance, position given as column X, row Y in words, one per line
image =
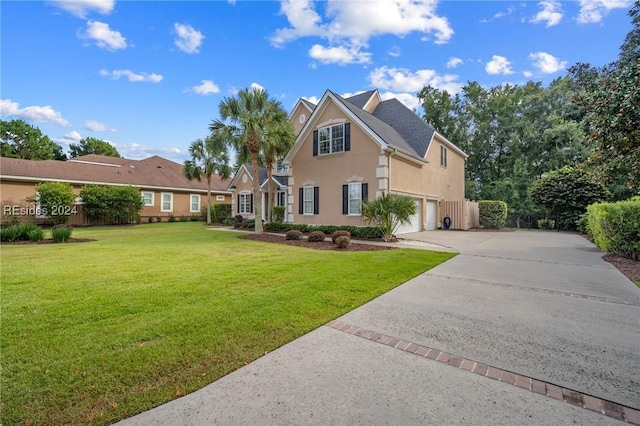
column 611, row 97
column 21, row 232
column 195, row 218
column 18, row 139
column 278, row 213
column 361, row 232
column 316, row 237
column 566, row 193
column 293, row 234
column 208, row 157
column 183, row 218
column 257, row 127
column 615, row 227
column 343, row 241
column 91, row 145
column 389, row 211
column 493, row 213
column 56, row 200
column 221, row 212
column 172, row 217
column 61, row 233
column 111, row 205
column 546, row 224
column 340, row 233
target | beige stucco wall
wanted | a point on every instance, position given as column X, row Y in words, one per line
column 294, row 118
column 445, row 183
column 330, row 172
column 242, row 186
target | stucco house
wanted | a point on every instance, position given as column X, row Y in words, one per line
column 352, row 149
column 163, row 187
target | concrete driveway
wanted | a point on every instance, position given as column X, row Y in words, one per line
column 519, row 328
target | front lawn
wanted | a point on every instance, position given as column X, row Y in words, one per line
column 98, row 331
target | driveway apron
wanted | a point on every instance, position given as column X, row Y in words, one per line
column 520, row 328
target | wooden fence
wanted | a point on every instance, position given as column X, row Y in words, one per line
column 464, row 215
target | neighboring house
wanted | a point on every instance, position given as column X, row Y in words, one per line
column 353, row 149
column 163, row 187
column 242, row 187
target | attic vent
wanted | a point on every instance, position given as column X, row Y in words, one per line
column 159, row 167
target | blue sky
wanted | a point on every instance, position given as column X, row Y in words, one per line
column 148, row 76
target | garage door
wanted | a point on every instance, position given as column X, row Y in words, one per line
column 415, row 224
column 431, row 216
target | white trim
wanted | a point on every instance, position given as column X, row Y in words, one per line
column 358, row 213
column 242, row 204
column 304, row 200
column 237, row 175
column 162, row 209
column 375, row 94
column 191, row 210
column 355, row 179
column 331, row 122
column 153, row 196
column 221, row 197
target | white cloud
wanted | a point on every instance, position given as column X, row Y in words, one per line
column 499, row 65
column 527, row 74
column 256, row 86
column 188, row 38
column 81, row 8
column 348, row 25
column 313, row 99
column 206, row 87
column 546, row 63
column 395, row 51
column 592, row 11
column 103, row 36
column 410, row 101
column 96, row 126
column 73, row 136
column 339, row 55
column 499, row 15
column 454, row 62
column 38, row 114
column 137, row 151
column 551, row 13
column 133, row 77
column 403, row 80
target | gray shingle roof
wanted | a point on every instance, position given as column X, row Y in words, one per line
column 311, row 105
column 361, row 99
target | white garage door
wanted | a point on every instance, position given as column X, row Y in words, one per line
column 414, row 225
column 431, row 216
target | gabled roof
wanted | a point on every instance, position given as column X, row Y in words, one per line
column 262, row 172
column 361, row 99
column 153, row 173
column 311, row 106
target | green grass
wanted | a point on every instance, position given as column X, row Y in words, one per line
column 98, row 331
column 637, row 283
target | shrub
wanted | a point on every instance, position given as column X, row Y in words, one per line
column 183, row 218
column 546, row 224
column 61, row 233
column 195, row 218
column 150, row 219
column 35, row 234
column 158, row 219
column 277, row 213
column 294, row 234
column 339, row 233
column 316, row 237
column 56, row 200
column 9, row 234
column 361, row 232
column 113, row 205
column 615, row 227
column 493, row 214
column 220, row 212
column 238, row 218
column 343, row 241
column 172, row 218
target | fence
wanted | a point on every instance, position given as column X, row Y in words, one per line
column 464, row 215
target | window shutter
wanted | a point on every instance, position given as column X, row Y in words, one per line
column 238, row 205
column 345, row 199
column 315, row 143
column 301, row 201
column 365, row 191
column 251, row 203
column 347, row 136
column 316, row 200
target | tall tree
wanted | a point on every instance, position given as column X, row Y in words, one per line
column 611, row 97
column 18, row 139
column 250, row 120
column 91, row 145
column 208, row 157
column 275, row 148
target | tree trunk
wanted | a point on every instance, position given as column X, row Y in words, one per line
column 257, row 202
column 269, row 164
column 208, row 200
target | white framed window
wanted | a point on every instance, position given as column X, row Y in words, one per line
column 281, row 167
column 194, row 206
column 331, row 139
column 147, row 198
column 307, row 200
column 355, row 199
column 443, row 156
column 244, row 203
column 219, row 197
column 281, row 198
column 167, row 202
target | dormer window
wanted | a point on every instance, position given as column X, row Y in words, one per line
column 281, row 167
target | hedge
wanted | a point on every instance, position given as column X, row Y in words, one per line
column 361, row 232
column 615, row 227
column 493, row 214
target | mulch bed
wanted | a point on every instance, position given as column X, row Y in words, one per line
column 630, row 268
column 326, row 245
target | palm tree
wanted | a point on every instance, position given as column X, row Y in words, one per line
column 250, row 120
column 208, row 157
column 274, row 148
column 389, row 211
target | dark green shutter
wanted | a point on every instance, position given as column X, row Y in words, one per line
column 316, row 200
column 365, row 191
column 347, row 136
column 345, row 199
column 315, row 143
column 301, row 201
